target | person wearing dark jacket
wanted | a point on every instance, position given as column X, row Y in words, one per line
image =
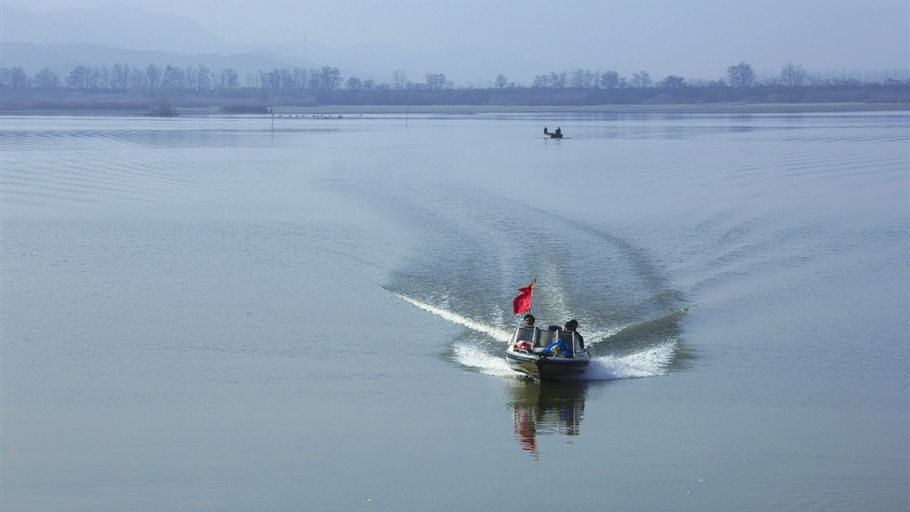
column 571, row 325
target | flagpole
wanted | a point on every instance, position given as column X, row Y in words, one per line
column 531, row 298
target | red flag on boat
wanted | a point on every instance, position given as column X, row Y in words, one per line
column 522, row 303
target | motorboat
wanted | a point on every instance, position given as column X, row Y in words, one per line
column 551, row 353
column 552, row 135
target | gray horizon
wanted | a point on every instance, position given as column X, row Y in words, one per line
column 695, row 41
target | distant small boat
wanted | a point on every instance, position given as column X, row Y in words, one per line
column 531, row 351
column 552, row 135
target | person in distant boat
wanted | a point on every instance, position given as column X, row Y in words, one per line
column 571, row 325
column 529, row 320
column 544, row 130
column 558, row 131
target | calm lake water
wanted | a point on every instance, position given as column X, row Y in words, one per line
column 211, row 314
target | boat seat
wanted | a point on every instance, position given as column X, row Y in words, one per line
column 525, row 334
column 568, row 337
column 544, row 339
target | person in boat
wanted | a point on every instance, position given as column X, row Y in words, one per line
column 544, row 130
column 558, row 131
column 524, row 343
column 571, row 326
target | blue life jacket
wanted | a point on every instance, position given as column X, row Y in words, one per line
column 562, row 348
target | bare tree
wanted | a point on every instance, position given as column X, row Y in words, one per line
column 792, row 75
column 558, row 80
column 354, row 84
column 18, row 79
column 103, row 77
column 641, row 79
column 120, row 76
column 204, row 78
column 582, row 78
column 701, row 82
column 369, row 85
column 541, row 81
column 286, row 79
column 673, row 81
column 331, row 78
column 300, row 78
column 399, row 79
column 172, row 77
column 80, row 77
column 501, row 81
column 609, row 79
column 189, row 78
column 138, row 78
column 741, row 75
column 436, row 81
column 270, row 80
column 46, row 79
column 153, row 73
column 315, row 78
column 227, row 79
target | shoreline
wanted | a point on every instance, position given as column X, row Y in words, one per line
column 699, row 108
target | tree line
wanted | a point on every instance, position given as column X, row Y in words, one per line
column 123, row 87
column 122, row 77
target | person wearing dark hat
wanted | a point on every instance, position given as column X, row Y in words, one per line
column 570, row 326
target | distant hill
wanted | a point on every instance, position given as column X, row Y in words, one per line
column 466, row 65
column 62, row 58
column 102, row 36
column 115, row 26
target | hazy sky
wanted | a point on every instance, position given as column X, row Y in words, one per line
column 696, row 38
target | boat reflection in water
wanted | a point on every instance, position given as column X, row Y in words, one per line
column 546, row 408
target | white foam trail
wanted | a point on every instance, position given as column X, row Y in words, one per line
column 598, row 336
column 647, row 363
column 470, row 355
column 496, row 332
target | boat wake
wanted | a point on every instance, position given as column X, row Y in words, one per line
column 646, row 362
column 497, row 333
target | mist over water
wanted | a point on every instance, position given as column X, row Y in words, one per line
column 207, row 313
